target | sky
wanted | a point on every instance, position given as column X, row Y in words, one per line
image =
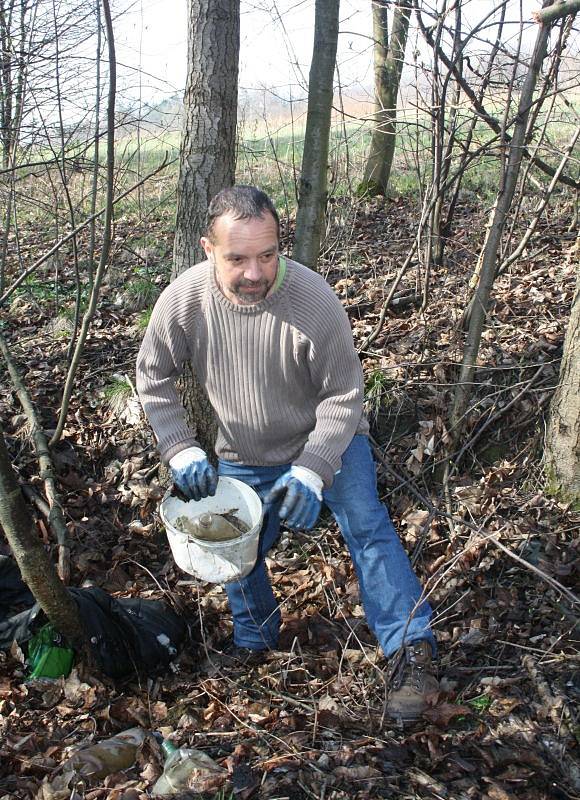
column 276, row 42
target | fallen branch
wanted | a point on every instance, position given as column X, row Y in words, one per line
column 497, row 415
column 558, row 709
column 378, row 327
column 55, row 516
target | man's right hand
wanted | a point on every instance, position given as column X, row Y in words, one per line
column 193, row 474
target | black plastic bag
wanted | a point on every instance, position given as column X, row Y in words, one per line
column 129, row 635
column 126, row 635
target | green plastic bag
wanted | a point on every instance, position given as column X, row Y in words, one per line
column 48, row 655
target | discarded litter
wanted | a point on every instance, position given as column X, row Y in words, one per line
column 126, row 635
column 187, row 768
column 102, row 758
column 48, row 654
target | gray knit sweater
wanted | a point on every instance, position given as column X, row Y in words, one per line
column 282, row 375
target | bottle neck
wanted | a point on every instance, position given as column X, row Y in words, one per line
column 168, row 747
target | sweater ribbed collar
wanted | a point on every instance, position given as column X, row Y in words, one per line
column 255, row 308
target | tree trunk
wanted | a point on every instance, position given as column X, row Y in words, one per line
column 562, row 451
column 208, row 146
column 388, row 64
column 35, row 566
column 208, row 157
column 314, row 177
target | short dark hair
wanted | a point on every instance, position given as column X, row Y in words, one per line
column 242, row 202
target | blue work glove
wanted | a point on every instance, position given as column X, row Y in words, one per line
column 193, row 474
column 303, row 497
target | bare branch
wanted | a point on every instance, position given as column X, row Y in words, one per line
column 107, row 227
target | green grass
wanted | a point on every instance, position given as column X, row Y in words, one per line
column 143, row 319
column 144, row 290
column 117, row 393
column 377, row 386
column 269, row 155
column 481, row 703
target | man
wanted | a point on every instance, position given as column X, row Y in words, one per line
column 272, row 345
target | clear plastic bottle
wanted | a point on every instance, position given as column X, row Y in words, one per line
column 178, row 771
column 102, row 758
column 215, row 528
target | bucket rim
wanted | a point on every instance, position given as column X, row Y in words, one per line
column 204, row 543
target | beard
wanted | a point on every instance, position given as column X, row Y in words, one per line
column 250, row 292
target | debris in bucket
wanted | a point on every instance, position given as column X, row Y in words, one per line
column 213, row 527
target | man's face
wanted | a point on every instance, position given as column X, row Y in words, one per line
column 245, row 255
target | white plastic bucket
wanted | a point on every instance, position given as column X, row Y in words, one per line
column 215, row 562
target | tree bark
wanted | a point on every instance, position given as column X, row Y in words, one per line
column 314, row 176
column 55, row 515
column 489, row 260
column 35, row 566
column 208, row 146
column 562, row 450
column 207, row 157
column 562, row 9
column 388, row 65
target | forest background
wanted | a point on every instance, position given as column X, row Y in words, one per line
column 465, row 315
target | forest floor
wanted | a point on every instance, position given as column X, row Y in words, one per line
column 309, row 722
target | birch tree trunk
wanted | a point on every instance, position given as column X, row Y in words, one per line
column 314, row 178
column 562, row 450
column 208, row 156
column 36, row 568
column 388, row 65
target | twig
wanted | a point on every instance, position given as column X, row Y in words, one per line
column 107, row 230
column 480, row 109
column 11, row 289
column 480, row 531
column 557, row 706
column 497, row 415
column 540, row 207
column 55, row 514
column 35, row 498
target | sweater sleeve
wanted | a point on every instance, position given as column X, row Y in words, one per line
column 336, row 372
column 159, row 363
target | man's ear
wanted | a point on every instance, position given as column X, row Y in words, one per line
column 207, row 247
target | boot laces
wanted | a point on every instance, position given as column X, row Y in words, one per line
column 411, row 669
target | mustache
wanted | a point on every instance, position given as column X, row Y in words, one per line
column 245, row 284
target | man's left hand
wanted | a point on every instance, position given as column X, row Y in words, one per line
column 303, row 497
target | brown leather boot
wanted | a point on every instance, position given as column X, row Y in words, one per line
column 413, row 683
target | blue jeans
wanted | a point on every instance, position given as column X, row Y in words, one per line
column 389, row 588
